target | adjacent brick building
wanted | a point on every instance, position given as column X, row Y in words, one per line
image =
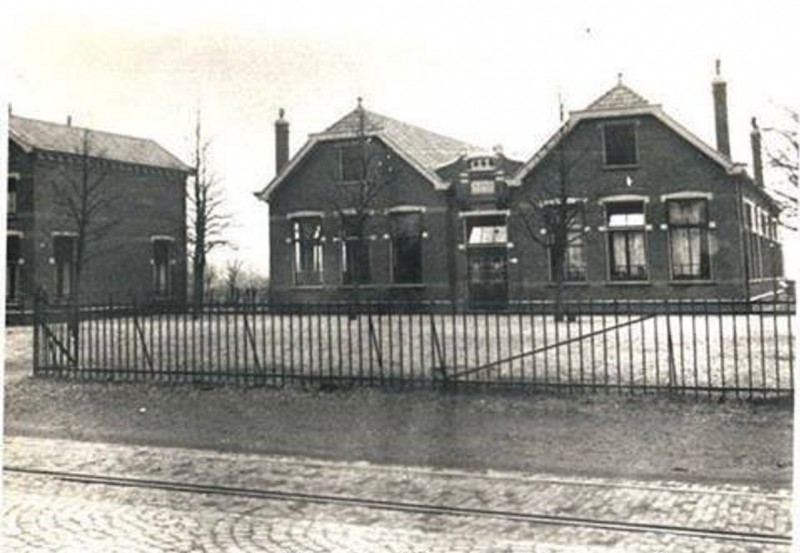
column 379, row 208
column 136, row 192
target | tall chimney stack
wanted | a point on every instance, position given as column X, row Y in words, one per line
column 719, row 91
column 281, row 141
column 755, row 144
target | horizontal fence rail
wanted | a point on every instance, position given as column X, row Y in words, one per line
column 709, row 347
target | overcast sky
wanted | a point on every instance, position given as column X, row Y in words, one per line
column 484, row 72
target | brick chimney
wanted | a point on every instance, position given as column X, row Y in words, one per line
column 718, row 87
column 755, row 144
column 281, row 141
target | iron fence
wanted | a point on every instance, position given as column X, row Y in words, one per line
column 693, row 347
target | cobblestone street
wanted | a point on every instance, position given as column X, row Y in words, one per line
column 43, row 513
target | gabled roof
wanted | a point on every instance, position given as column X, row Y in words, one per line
column 32, row 134
column 621, row 101
column 424, row 150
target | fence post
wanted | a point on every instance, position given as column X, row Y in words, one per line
column 37, row 313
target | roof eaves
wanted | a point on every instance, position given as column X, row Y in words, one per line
column 438, row 183
column 528, row 166
column 264, row 194
column 19, row 140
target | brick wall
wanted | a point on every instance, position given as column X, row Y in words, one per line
column 143, row 202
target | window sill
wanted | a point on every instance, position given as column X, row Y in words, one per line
column 309, row 286
column 620, row 167
column 627, row 283
column 570, row 283
column 408, row 285
column 699, row 282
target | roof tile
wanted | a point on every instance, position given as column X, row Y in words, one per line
column 619, row 97
column 55, row 137
column 430, row 149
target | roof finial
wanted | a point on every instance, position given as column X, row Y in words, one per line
column 281, row 113
column 619, row 78
column 360, row 100
column 717, row 64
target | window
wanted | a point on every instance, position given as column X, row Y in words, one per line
column 162, row 260
column 490, row 230
column 307, row 238
column 11, row 206
column 626, row 241
column 619, row 140
column 688, row 238
column 64, row 254
column 13, row 257
column 406, row 247
column 355, row 252
column 573, row 262
column 352, row 163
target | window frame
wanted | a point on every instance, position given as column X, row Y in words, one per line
column 705, row 235
column 169, row 284
column 626, row 230
column 419, row 238
column 633, row 124
column 317, row 252
column 363, row 259
column 59, row 291
column 12, row 200
column 14, row 267
column 577, row 227
column 341, row 149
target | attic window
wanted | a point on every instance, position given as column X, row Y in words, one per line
column 619, row 140
column 352, row 163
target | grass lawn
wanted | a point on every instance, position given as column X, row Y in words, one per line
column 705, row 351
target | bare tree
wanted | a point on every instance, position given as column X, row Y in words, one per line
column 783, row 158
column 209, row 280
column 552, row 217
column 233, row 274
column 207, row 219
column 84, row 199
column 355, row 197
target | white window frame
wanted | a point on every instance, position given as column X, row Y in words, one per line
column 607, row 229
column 710, row 230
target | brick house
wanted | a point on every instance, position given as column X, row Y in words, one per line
column 136, row 238
column 661, row 214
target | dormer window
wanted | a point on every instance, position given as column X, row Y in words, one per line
column 619, row 141
column 483, row 163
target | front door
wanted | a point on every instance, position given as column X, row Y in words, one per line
column 488, row 274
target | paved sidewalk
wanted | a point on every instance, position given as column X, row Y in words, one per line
column 725, row 507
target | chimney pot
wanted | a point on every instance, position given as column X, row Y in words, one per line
column 281, row 141
column 719, row 92
column 69, row 120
